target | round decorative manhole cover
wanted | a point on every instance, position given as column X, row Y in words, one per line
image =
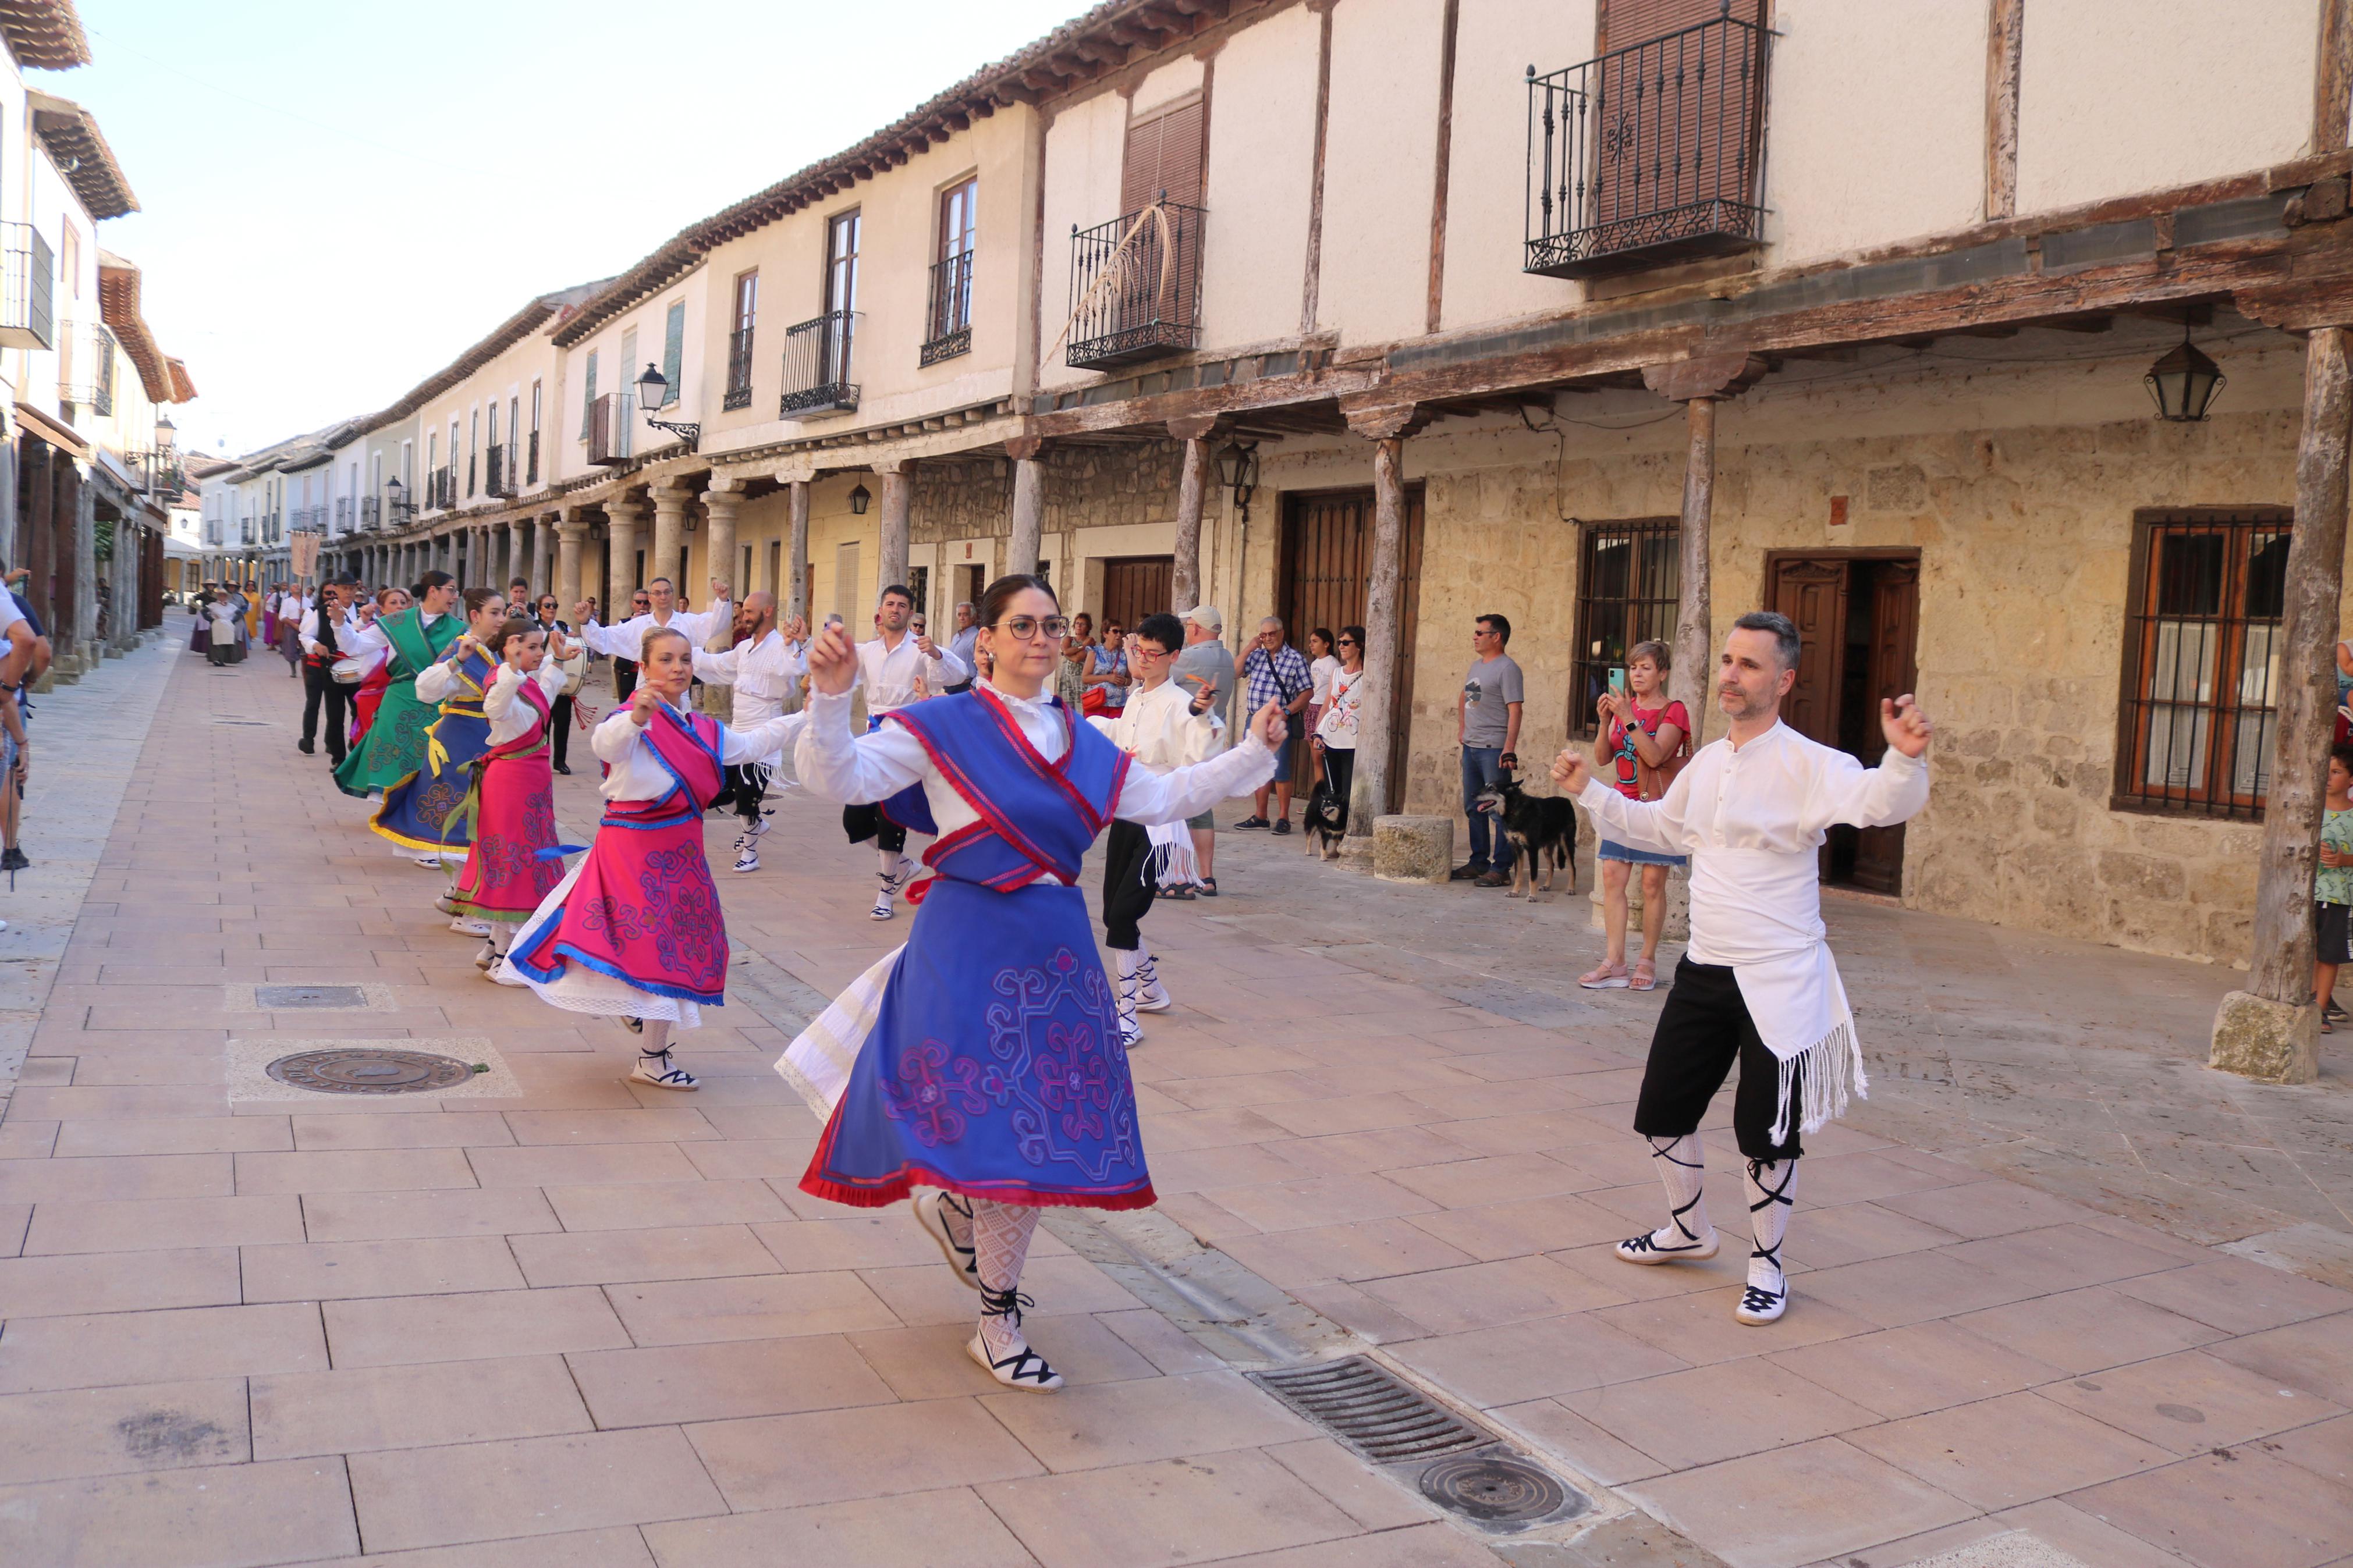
column 1488, row 1487
column 370, row 1071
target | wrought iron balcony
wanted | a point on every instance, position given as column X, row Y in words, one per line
column 1649, row 154
column 1135, row 286
column 86, row 368
column 441, row 489
column 28, row 280
column 499, row 477
column 818, row 365
column 739, row 370
column 343, row 514
column 950, row 331
column 370, row 513
column 610, row 419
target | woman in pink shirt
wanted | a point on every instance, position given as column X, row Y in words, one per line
column 1641, row 740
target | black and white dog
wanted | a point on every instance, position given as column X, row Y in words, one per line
column 1537, row 825
column 1326, row 821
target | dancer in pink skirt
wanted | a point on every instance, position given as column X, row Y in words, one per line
column 505, row 875
column 635, row 932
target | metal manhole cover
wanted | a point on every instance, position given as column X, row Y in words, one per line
column 370, row 1071
column 1493, row 1488
column 309, row 996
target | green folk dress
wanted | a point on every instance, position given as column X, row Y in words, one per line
column 395, row 745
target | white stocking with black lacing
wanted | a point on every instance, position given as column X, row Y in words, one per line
column 1131, row 991
column 1001, row 1234
column 1683, row 1170
column 1772, row 1186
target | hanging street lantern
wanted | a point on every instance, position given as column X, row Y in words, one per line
column 2184, row 382
column 859, row 498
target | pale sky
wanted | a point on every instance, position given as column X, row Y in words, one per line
column 338, row 197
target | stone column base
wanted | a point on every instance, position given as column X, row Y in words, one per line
column 1413, row 849
column 2269, row 1041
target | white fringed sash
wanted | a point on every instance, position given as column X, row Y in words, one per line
column 1173, row 860
column 1761, row 912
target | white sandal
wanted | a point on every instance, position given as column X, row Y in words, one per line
column 1025, row 1369
column 667, row 1077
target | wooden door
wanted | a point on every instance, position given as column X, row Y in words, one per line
column 1320, row 577
column 1814, row 594
column 1136, row 587
column 1894, row 669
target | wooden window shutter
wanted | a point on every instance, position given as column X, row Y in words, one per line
column 673, row 347
column 1624, row 22
column 1164, row 154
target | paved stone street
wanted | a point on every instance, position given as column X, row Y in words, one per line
column 2056, row 1284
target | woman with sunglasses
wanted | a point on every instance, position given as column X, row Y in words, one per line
column 1335, row 729
column 559, row 718
column 991, row 1071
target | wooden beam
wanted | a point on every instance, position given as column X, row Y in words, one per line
column 2005, row 32
column 1384, row 635
column 1713, row 376
column 2298, row 307
column 1694, row 636
column 2332, row 77
column 1434, row 307
column 1313, row 282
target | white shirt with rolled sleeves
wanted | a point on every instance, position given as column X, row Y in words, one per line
column 504, row 705
column 835, row 765
column 628, row 641
column 347, row 630
column 1753, row 821
column 765, row 675
column 887, row 675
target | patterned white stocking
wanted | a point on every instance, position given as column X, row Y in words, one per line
column 1683, row 1169
column 1131, row 987
column 1000, row 1234
column 1772, row 1188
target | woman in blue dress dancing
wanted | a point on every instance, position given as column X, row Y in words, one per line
column 992, row 1074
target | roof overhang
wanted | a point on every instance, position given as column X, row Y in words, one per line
column 118, row 306
column 70, row 133
column 45, row 35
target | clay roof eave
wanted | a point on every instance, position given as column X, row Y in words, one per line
column 118, row 306
column 45, row 35
column 80, row 150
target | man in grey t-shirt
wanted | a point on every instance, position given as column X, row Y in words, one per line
column 1205, row 662
column 1488, row 724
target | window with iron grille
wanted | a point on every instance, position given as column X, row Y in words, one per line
column 744, row 318
column 1628, row 578
column 2201, row 666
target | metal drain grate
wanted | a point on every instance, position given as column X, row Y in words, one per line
column 276, row 997
column 1367, row 1407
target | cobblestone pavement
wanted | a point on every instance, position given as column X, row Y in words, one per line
column 570, row 1322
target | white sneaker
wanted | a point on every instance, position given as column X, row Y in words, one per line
column 747, row 856
column 465, row 927
column 488, row 958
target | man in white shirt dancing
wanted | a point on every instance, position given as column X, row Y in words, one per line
column 898, row 667
column 1757, row 983
column 764, row 669
column 628, row 641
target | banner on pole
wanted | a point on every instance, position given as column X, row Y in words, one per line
column 305, row 547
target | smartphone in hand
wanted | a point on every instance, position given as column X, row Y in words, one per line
column 1618, row 681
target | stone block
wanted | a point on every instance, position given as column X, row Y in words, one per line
column 2272, row 1042
column 1413, row 849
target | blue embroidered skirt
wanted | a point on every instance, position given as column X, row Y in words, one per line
column 994, row 1069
